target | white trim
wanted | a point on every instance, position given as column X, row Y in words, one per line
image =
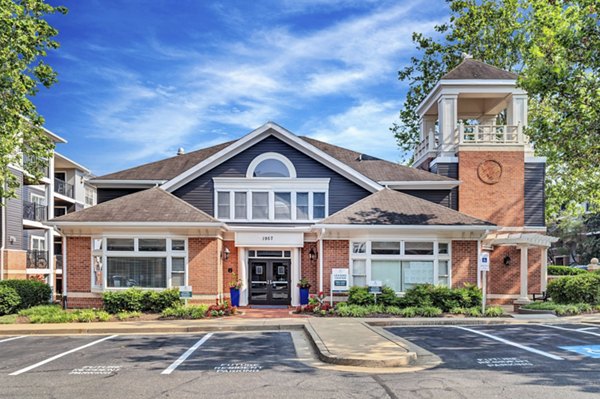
column 259, row 134
column 114, row 183
column 443, row 160
column 417, row 185
column 39, row 239
column 138, row 224
column 75, row 164
column 270, row 184
column 404, row 227
column 535, row 159
column 271, row 155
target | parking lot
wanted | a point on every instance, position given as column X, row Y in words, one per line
column 523, row 347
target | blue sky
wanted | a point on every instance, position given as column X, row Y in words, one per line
column 139, row 79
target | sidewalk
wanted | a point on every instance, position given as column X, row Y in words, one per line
column 342, row 341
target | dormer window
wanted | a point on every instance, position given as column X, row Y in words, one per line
column 271, row 165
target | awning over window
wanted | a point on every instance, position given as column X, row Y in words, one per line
column 529, row 239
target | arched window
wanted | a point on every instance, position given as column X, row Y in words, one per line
column 271, row 164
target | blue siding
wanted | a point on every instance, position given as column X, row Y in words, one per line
column 342, row 192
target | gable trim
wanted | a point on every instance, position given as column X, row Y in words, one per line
column 258, row 135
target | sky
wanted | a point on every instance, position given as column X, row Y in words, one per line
column 139, row 79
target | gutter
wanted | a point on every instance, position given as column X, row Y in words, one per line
column 3, row 205
column 407, row 227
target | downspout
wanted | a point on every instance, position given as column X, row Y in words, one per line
column 3, row 239
column 321, row 260
column 64, row 269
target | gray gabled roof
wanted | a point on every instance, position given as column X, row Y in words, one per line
column 474, row 69
column 151, row 205
column 393, row 208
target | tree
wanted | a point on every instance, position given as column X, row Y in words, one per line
column 553, row 46
column 25, row 38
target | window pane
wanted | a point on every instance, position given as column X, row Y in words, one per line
column 152, row 244
column 178, row 265
column 302, row 206
column 97, row 271
column 177, row 279
column 287, row 254
column 388, row 272
column 318, row 205
column 443, row 248
column 418, row 248
column 268, row 254
column 359, row 281
column 223, row 205
column 178, row 245
column 271, row 168
column 359, row 267
column 443, row 267
column 283, row 210
column 414, row 272
column 137, row 272
column 260, row 205
column 385, row 248
column 119, row 244
column 240, row 206
column 97, row 244
column 359, row 247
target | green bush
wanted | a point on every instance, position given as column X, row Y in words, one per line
column 31, row 292
column 128, row 315
column 352, row 311
column 442, row 297
column 9, row 300
column 393, row 310
column 387, row 297
column 8, row 319
column 410, row 311
column 564, row 271
column 458, row 310
column 429, row 311
column 360, row 296
column 48, row 314
column 494, row 311
column 582, row 288
column 473, row 312
column 137, row 300
column 185, row 312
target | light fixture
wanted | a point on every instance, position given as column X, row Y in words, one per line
column 313, row 255
column 226, row 253
column 506, row 260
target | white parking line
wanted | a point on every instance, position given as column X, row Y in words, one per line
column 587, row 328
column 507, row 342
column 33, row 366
column 187, row 354
column 12, row 339
column 571, row 329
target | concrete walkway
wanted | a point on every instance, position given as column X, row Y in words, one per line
column 342, row 341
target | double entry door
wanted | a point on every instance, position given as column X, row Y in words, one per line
column 269, row 282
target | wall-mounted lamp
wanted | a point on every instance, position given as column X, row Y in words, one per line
column 506, row 260
column 226, row 253
column 12, row 240
column 313, row 255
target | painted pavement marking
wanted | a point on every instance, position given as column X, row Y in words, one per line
column 238, row 368
column 12, row 339
column 504, row 362
column 187, row 354
column 96, row 370
column 592, row 351
column 570, row 329
column 587, row 328
column 507, row 342
column 33, row 366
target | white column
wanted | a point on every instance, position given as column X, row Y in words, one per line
column 523, row 297
column 243, row 275
column 516, row 111
column 49, row 232
column 295, row 276
column 447, row 120
column 544, row 271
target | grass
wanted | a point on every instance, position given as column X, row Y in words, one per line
column 561, row 310
column 55, row 314
column 185, row 312
column 8, row 319
column 127, row 315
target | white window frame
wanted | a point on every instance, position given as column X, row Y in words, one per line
column 169, row 254
column 40, row 240
column 368, row 257
column 66, row 208
column 271, row 155
column 33, row 197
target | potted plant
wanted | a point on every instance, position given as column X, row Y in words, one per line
column 304, row 286
column 234, row 290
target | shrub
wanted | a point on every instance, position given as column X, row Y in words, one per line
column 387, row 297
column 127, row 315
column 8, row 319
column 84, row 315
column 583, row 288
column 47, row 314
column 445, row 298
column 458, row 310
column 31, row 292
column 186, row 312
column 360, row 296
column 9, row 300
column 564, row 271
column 393, row 310
column 494, row 311
column 410, row 311
column 429, row 311
column 567, row 310
column 473, row 312
column 136, row 300
column 352, row 311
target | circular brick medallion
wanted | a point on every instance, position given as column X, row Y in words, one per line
column 489, row 172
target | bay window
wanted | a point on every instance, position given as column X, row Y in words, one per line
column 400, row 264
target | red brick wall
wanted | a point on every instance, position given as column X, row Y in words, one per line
column 310, row 269
column 231, row 263
column 464, row 263
column 79, row 259
column 15, row 264
column 504, row 279
column 336, row 255
column 501, row 203
column 82, row 303
column 204, row 264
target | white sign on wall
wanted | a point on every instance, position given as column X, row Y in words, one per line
column 268, row 239
column 484, row 262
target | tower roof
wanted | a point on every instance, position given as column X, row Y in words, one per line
column 474, row 69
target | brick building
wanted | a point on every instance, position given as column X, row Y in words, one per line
column 273, row 207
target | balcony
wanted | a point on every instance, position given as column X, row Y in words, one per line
column 34, row 212
column 63, row 188
column 490, row 134
column 37, row 259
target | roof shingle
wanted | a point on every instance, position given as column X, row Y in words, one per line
column 389, row 207
column 151, row 205
column 474, row 69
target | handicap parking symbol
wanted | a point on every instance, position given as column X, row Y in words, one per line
column 592, row 351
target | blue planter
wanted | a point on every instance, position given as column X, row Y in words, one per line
column 235, row 296
column 304, row 296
